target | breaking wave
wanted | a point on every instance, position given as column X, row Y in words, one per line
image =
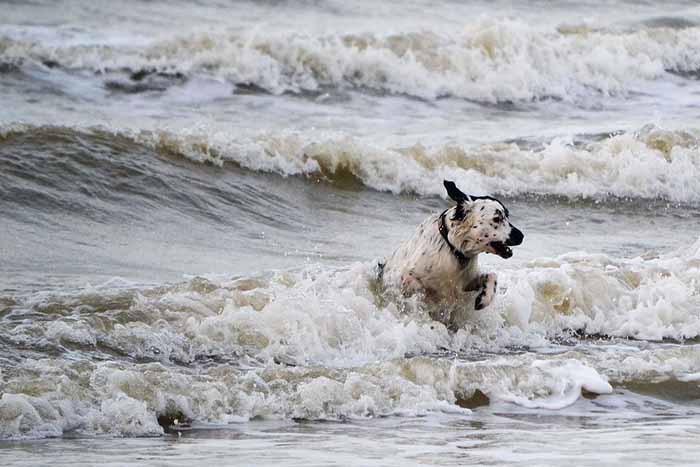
column 318, row 343
column 651, row 163
column 490, row 61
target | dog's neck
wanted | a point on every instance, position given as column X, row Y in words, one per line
column 461, row 258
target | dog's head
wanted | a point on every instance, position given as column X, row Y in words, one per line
column 479, row 224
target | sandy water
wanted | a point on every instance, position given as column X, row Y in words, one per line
column 193, row 199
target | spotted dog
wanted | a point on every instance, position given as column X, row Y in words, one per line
column 440, row 260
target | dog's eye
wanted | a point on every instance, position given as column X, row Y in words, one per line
column 497, row 219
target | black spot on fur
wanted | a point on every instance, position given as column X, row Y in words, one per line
column 505, row 209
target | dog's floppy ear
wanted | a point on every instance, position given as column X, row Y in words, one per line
column 455, row 193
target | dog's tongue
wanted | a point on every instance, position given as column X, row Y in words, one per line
column 501, row 249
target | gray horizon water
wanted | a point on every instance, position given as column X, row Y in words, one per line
column 193, row 199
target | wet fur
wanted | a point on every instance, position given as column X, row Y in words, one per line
column 425, row 265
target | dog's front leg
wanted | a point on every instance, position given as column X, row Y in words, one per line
column 487, row 290
column 410, row 285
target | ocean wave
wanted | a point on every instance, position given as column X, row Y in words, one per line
column 319, row 343
column 490, row 61
column 651, row 163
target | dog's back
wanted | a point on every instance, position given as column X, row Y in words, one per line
column 424, row 264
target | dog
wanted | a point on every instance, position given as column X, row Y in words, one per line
column 440, row 260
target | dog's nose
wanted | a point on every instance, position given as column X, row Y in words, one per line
column 515, row 237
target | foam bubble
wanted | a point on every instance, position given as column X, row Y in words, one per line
column 31, row 416
column 76, row 333
column 124, row 416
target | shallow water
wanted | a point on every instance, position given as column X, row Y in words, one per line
column 193, row 199
column 495, row 438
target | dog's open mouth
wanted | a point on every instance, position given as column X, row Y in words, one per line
column 500, row 249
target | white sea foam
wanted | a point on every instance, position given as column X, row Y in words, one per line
column 641, row 298
column 491, row 60
column 650, row 163
column 319, row 344
column 550, row 385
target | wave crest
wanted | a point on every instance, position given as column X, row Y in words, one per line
column 650, row 163
column 490, row 61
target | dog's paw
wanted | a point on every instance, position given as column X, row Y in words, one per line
column 486, row 293
column 479, row 303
